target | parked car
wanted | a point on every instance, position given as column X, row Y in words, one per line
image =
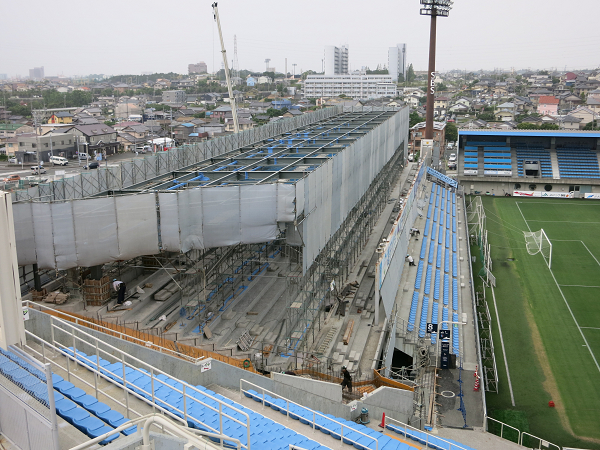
column 59, row 160
column 84, row 156
column 92, row 165
column 36, row 170
column 452, row 157
column 12, row 160
column 11, row 179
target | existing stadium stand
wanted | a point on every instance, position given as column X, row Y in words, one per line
column 73, row 404
column 497, row 158
column 534, row 153
column 438, row 294
column 577, row 162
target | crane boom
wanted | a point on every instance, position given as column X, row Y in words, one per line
column 236, row 127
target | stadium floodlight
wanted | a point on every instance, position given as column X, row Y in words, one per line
column 433, row 8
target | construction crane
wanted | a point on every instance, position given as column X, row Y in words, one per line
column 236, row 127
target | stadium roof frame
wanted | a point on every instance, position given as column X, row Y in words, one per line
column 285, row 158
column 533, row 133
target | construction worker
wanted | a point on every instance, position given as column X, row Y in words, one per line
column 347, row 381
column 120, row 287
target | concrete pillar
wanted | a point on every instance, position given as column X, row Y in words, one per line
column 12, row 328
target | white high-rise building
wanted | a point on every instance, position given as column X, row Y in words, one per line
column 397, row 61
column 360, row 86
column 336, row 60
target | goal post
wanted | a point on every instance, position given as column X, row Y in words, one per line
column 538, row 242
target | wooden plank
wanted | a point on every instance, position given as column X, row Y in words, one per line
column 348, row 332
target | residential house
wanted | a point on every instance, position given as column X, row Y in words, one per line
column 412, row 101
column 11, row 130
column 182, row 131
column 94, row 112
column 211, row 128
column 523, row 105
column 458, row 108
column 568, row 102
column 293, row 113
column 500, row 89
column 593, row 104
column 474, row 124
column 219, row 113
column 244, row 124
column 441, row 103
column 585, row 114
column 594, row 94
column 548, row 105
column 138, row 130
column 264, row 80
column 61, row 117
column 250, row 81
column 569, row 122
column 57, row 144
column 417, row 133
column 121, row 87
column 97, row 138
column 504, row 115
column 586, row 87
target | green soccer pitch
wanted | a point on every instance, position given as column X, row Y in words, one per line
column 549, row 318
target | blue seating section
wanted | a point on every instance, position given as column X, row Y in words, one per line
column 497, row 158
column 534, row 153
column 438, row 261
column 576, row 162
column 81, row 410
column 427, row 439
column 264, row 432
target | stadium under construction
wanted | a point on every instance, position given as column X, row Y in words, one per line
column 278, row 249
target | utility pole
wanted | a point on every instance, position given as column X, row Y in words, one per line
column 433, row 8
column 236, row 127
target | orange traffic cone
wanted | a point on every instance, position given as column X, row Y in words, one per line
column 382, row 424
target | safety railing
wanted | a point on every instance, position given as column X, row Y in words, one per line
column 420, row 436
column 107, row 351
column 517, row 436
column 314, row 413
column 175, row 430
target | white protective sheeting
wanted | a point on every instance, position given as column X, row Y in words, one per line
column 258, row 212
column 23, row 218
column 95, row 231
column 189, row 218
column 286, row 194
column 65, row 250
column 169, row 229
column 136, row 225
column 42, row 227
column 334, row 188
column 221, row 216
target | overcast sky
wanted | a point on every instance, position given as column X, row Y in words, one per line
column 133, row 36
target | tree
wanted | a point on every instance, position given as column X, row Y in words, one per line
column 414, row 119
column 272, row 112
column 400, row 78
column 487, row 116
column 200, row 115
column 549, row 126
column 451, row 132
column 441, row 87
column 410, row 73
column 591, row 126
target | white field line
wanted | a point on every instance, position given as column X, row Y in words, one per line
column 578, row 285
column 512, row 395
column 561, row 221
column 591, row 328
column 586, row 247
column 562, row 203
column 567, row 303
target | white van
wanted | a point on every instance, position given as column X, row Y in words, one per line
column 84, row 156
column 59, row 160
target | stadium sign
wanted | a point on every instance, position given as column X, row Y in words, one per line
column 558, row 194
column 526, row 194
column 498, row 172
column 592, row 196
column 470, row 172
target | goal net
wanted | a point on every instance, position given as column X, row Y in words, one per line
column 537, row 242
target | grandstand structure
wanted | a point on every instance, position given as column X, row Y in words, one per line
column 284, row 254
column 539, row 163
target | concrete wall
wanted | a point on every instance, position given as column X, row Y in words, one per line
column 326, row 390
column 498, row 188
column 395, row 403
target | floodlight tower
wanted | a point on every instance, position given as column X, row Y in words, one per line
column 433, row 8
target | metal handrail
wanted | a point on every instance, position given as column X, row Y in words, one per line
column 98, row 371
column 120, row 334
column 407, row 427
column 315, row 413
column 148, row 420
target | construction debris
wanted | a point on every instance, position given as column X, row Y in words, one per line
column 56, row 297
